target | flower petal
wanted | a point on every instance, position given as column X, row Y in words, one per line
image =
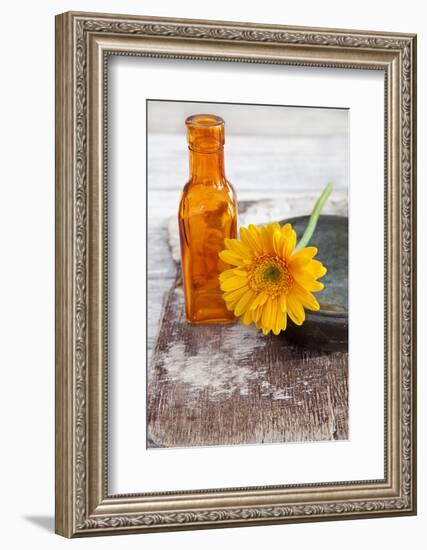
column 290, row 243
column 227, row 274
column 255, row 234
column 250, row 240
column 235, row 294
column 259, row 300
column 240, row 272
column 266, row 315
column 230, row 257
column 243, row 303
column 302, row 258
column 317, row 269
column 283, row 303
column 302, row 268
column 307, row 252
column 233, row 283
column 278, row 242
column 306, row 298
column 272, row 228
column 284, row 321
column 230, row 273
column 281, row 322
column 256, row 314
column 307, row 281
column 247, row 317
column 298, row 264
column 274, row 308
column 267, row 232
column 295, row 310
column 239, row 248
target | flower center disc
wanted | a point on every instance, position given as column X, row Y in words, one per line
column 270, row 274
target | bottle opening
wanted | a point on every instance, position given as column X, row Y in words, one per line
column 204, row 120
column 205, row 133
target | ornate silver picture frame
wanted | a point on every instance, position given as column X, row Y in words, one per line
column 84, row 42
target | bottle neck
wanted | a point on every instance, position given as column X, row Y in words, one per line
column 207, row 167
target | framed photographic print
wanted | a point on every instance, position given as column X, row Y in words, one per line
column 235, row 274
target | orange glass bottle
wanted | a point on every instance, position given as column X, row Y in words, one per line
column 207, row 215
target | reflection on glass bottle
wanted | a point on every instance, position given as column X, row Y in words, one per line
column 207, row 215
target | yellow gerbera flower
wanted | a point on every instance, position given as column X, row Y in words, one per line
column 270, row 279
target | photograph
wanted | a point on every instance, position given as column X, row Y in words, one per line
column 247, row 274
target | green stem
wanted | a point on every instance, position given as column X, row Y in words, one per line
column 312, row 222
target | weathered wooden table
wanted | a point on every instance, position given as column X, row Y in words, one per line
column 229, row 384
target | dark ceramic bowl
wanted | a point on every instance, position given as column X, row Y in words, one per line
column 326, row 329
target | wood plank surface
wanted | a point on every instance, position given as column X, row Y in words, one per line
column 229, row 384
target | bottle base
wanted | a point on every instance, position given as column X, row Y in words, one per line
column 207, row 307
column 221, row 321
